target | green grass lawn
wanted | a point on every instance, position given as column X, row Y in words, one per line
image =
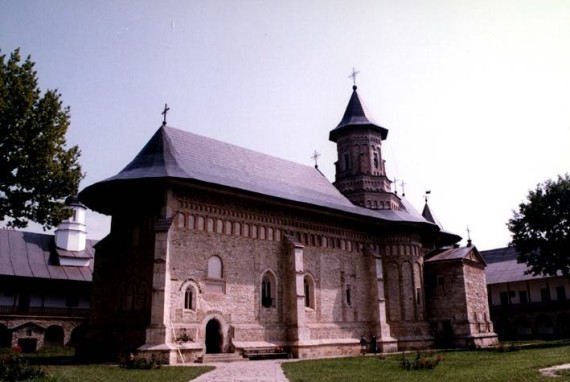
column 460, row 366
column 106, row 373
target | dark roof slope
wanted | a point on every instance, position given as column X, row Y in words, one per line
column 177, row 154
column 456, row 253
column 429, row 216
column 356, row 115
column 504, row 267
column 28, row 254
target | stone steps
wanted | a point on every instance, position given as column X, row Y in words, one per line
column 220, row 357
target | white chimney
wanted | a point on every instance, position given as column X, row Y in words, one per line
column 71, row 234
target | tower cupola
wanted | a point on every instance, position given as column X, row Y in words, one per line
column 360, row 167
column 71, row 234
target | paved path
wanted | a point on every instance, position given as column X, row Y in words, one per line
column 551, row 371
column 244, row 371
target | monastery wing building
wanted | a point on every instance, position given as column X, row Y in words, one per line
column 215, row 248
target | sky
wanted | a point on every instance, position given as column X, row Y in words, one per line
column 475, row 94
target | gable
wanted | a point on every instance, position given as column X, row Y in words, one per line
column 459, row 254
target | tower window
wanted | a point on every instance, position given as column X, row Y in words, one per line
column 348, row 295
column 376, row 160
column 346, row 161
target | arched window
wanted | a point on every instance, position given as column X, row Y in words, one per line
column 190, row 297
column 181, row 220
column 309, row 292
column 268, row 287
column 121, row 297
column 53, row 336
column 130, row 299
column 214, row 267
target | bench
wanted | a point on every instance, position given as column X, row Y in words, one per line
column 265, row 353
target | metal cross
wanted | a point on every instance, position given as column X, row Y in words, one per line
column 315, row 157
column 395, row 185
column 468, row 234
column 403, row 184
column 353, row 76
column 166, row 108
column 426, row 195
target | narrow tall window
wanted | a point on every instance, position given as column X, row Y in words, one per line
column 188, row 296
column 309, row 287
column 267, row 289
column 307, row 293
column 348, row 295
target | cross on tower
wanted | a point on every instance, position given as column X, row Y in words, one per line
column 353, row 76
column 315, row 157
column 426, row 195
column 403, row 184
column 166, row 108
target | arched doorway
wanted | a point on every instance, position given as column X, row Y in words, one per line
column 53, row 336
column 5, row 337
column 213, row 337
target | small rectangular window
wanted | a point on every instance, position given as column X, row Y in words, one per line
column 72, row 301
column 523, row 298
column 504, row 298
column 348, row 295
column 545, row 294
column 561, row 293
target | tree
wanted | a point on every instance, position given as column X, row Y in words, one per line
column 541, row 228
column 37, row 172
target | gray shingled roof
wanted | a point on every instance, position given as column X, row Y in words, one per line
column 176, row 154
column 356, row 115
column 28, row 254
column 504, row 268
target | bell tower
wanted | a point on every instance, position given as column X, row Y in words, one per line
column 360, row 167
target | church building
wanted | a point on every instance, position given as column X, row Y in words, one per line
column 215, row 248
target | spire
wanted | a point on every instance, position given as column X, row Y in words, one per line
column 429, row 216
column 356, row 115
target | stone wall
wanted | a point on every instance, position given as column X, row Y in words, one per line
column 249, row 241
